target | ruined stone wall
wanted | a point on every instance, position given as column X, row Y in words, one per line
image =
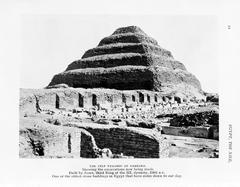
column 198, row 132
column 27, row 104
column 31, row 101
column 127, row 142
column 49, row 141
column 54, row 141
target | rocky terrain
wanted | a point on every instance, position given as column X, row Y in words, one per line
column 126, row 98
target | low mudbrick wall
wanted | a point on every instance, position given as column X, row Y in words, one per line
column 129, row 142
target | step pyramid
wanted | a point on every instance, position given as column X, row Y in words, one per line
column 128, row 59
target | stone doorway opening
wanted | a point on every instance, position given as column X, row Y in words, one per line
column 156, row 98
column 57, row 102
column 133, row 98
column 124, row 98
column 80, row 101
column 148, row 98
column 141, row 97
column 94, row 100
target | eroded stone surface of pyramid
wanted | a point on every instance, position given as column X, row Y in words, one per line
column 128, row 60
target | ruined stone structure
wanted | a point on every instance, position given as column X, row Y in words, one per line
column 92, row 98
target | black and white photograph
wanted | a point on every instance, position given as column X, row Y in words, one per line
column 125, row 93
column 127, row 97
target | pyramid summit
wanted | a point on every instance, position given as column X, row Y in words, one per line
column 130, row 34
column 128, row 59
column 129, row 29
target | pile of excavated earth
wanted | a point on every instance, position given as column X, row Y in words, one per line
column 126, row 98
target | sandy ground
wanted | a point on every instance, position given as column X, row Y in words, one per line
column 185, row 147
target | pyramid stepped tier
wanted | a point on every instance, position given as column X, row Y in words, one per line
column 128, row 60
column 127, row 38
column 126, row 78
column 123, row 59
column 142, row 48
